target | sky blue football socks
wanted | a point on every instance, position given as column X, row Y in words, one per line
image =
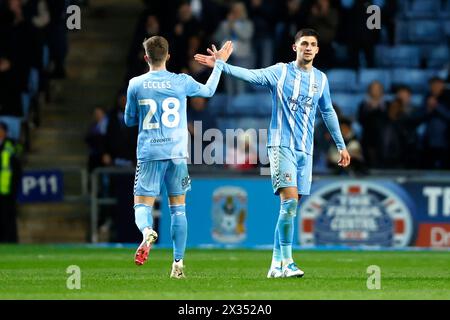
column 285, row 227
column 143, row 216
column 178, row 230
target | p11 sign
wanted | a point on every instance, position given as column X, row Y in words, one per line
column 41, row 186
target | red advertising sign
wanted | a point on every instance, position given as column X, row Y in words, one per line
column 434, row 235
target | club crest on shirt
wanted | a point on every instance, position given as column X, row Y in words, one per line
column 315, row 87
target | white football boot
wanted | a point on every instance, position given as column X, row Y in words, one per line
column 292, row 271
column 177, row 270
column 275, row 272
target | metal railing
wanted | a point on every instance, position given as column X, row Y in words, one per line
column 97, row 201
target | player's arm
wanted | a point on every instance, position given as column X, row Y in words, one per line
column 196, row 89
column 331, row 121
column 265, row 77
column 131, row 115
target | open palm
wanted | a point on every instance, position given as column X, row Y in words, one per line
column 223, row 54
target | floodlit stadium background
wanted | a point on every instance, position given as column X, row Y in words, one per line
column 63, row 92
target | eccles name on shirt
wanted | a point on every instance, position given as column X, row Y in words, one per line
column 157, row 85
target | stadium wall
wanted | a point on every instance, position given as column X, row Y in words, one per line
column 369, row 212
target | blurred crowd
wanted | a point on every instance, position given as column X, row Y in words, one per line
column 33, row 48
column 395, row 133
column 387, row 133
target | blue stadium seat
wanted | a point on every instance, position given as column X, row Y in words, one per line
column 417, row 100
column 367, row 76
column 422, row 8
column 446, row 27
column 445, row 10
column 252, row 123
column 347, row 103
column 342, row 80
column 251, row 104
column 226, row 123
column 401, row 56
column 401, row 31
column 218, row 104
column 437, row 56
column 416, row 79
column 425, row 31
column 14, row 126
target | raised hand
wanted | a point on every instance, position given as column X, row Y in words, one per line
column 223, row 54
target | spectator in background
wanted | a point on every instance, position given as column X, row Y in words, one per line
column 371, row 117
column 357, row 36
column 291, row 19
column 199, row 120
column 353, row 147
column 404, row 96
column 19, row 55
column 262, row 15
column 10, row 173
column 120, row 148
column 395, row 151
column 324, row 19
column 149, row 29
column 436, row 116
column 136, row 65
column 184, row 38
column 58, row 36
column 96, row 138
column 239, row 29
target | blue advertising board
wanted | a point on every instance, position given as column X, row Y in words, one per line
column 349, row 212
column 41, row 186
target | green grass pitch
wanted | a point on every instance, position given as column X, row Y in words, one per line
column 39, row 272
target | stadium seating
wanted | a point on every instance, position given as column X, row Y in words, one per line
column 224, row 123
column 425, row 31
column 366, row 76
column 342, row 80
column 251, row 104
column 14, row 126
column 437, row 56
column 417, row 100
column 401, row 31
column 347, row 103
column 416, row 79
column 422, row 8
column 445, row 10
column 252, row 123
column 400, row 56
column 447, row 29
column 218, row 104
